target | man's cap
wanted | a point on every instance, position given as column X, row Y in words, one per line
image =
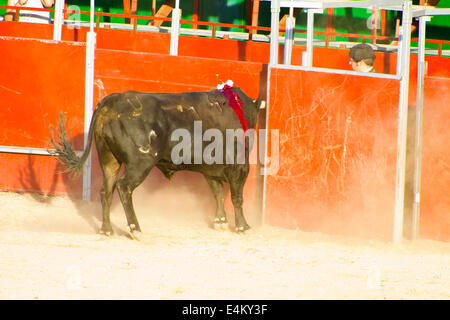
column 361, row 51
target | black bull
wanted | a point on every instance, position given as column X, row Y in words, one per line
column 134, row 129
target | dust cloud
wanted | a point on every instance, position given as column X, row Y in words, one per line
column 50, row 249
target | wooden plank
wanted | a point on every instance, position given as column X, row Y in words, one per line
column 126, row 9
column 195, row 13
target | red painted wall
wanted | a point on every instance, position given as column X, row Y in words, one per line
column 338, row 139
column 337, row 153
column 162, row 73
column 39, row 78
column 250, row 51
column 435, row 187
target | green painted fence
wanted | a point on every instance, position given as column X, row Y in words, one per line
column 352, row 20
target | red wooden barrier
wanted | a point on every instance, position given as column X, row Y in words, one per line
column 39, row 78
column 162, row 73
column 250, row 51
column 337, row 153
column 435, row 189
column 42, row 77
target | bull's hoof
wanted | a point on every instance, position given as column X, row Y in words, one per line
column 134, row 233
column 105, row 233
column 220, row 223
column 220, row 226
column 242, row 229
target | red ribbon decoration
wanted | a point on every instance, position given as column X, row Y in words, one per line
column 236, row 104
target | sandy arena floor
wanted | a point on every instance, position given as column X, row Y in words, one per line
column 49, row 249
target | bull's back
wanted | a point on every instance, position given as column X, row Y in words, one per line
column 170, row 111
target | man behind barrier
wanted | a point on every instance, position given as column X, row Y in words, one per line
column 29, row 15
column 362, row 58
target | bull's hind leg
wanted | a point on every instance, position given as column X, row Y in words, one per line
column 220, row 221
column 110, row 168
column 132, row 177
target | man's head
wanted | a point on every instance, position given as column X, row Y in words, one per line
column 361, row 57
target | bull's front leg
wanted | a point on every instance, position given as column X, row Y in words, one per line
column 220, row 220
column 236, row 189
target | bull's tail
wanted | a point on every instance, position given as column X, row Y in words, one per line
column 64, row 152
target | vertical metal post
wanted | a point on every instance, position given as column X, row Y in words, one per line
column 58, row 20
column 402, row 122
column 274, row 30
column 91, row 16
column 175, row 29
column 288, row 36
column 307, row 57
column 399, row 52
column 418, row 138
column 89, row 100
